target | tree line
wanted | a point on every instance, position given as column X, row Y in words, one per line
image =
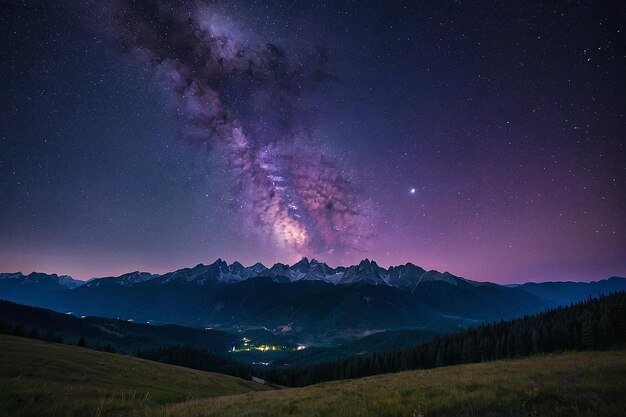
column 590, row 324
column 201, row 359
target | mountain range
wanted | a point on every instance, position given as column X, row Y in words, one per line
column 308, row 300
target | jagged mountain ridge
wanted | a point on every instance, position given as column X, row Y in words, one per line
column 309, row 298
column 35, row 278
column 219, row 271
column 405, row 277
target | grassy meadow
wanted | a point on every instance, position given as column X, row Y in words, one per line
column 568, row 385
column 46, row 379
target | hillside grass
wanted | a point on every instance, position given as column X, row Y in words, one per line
column 571, row 384
column 46, row 379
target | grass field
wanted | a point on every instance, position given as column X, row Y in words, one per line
column 572, row 384
column 46, row 379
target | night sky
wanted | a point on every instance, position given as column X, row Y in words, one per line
column 481, row 138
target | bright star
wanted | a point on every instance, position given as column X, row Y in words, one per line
column 412, row 190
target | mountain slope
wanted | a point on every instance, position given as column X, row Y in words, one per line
column 41, row 378
column 35, row 288
column 313, row 308
column 118, row 335
column 563, row 293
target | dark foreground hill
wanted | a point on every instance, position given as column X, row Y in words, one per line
column 46, row 379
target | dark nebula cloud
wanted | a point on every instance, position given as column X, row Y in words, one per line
column 290, row 190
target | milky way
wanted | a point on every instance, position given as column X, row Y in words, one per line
column 290, row 190
column 481, row 138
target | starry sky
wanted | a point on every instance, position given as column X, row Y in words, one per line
column 481, row 138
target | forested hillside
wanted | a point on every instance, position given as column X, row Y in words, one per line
column 591, row 324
